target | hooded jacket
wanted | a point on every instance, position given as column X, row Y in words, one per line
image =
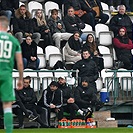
column 122, row 44
column 21, row 24
column 85, row 95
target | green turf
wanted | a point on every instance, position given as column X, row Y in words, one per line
column 56, row 130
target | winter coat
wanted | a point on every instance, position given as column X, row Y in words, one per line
column 119, row 21
column 73, row 24
column 24, row 25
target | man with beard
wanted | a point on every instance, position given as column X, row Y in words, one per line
column 123, row 46
column 69, row 105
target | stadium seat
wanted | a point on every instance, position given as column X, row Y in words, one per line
column 99, row 84
column 50, row 5
column 40, row 55
column 34, row 5
column 62, row 73
column 108, row 60
column 21, row 3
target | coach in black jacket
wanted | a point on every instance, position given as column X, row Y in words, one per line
column 52, row 99
column 87, row 68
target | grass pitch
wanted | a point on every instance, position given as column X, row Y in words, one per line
column 56, row 130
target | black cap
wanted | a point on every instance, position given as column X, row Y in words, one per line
column 54, row 83
column 85, row 79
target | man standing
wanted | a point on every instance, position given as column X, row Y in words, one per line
column 9, row 48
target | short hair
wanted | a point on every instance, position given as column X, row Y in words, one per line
column 70, row 7
column 122, row 6
column 22, row 6
column 27, row 78
column 53, row 11
column 84, row 50
column 4, row 21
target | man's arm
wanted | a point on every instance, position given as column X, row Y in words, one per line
column 20, row 69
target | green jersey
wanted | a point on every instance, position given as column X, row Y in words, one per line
column 9, row 46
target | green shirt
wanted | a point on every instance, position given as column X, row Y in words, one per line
column 9, row 46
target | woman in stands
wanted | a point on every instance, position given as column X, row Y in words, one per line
column 93, row 48
column 41, row 26
column 72, row 50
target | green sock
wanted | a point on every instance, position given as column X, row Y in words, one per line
column 8, row 121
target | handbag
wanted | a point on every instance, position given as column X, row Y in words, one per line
column 95, row 8
column 32, row 64
column 79, row 13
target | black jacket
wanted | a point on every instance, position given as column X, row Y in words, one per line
column 27, row 96
column 87, row 68
column 73, row 24
column 24, row 25
column 9, row 5
column 84, row 96
column 67, row 93
column 29, row 50
column 48, row 97
column 37, row 28
column 119, row 21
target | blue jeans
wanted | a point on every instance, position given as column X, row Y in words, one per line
column 8, row 13
column 25, row 63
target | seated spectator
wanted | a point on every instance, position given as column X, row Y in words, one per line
column 29, row 52
column 52, row 100
column 88, row 6
column 73, row 23
column 72, row 50
column 29, row 100
column 69, row 105
column 57, row 28
column 19, row 109
column 23, row 25
column 84, row 16
column 40, row 25
column 121, row 20
column 95, row 53
column 8, row 6
column 87, row 68
column 84, row 96
column 123, row 46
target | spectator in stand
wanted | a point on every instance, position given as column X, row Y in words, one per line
column 23, row 25
column 19, row 108
column 121, row 20
column 52, row 99
column 73, row 23
column 72, row 50
column 57, row 28
column 40, row 25
column 95, row 53
column 87, row 68
column 8, row 6
column 69, row 105
column 84, row 16
column 84, row 96
column 123, row 46
column 87, row 5
column 29, row 52
column 29, row 100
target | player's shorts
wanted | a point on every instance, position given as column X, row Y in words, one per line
column 7, row 93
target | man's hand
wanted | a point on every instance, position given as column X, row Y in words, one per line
column 52, row 106
column 20, row 85
column 70, row 100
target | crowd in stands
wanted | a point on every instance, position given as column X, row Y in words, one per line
column 80, row 48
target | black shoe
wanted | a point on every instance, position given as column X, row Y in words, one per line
column 87, row 112
column 32, row 117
